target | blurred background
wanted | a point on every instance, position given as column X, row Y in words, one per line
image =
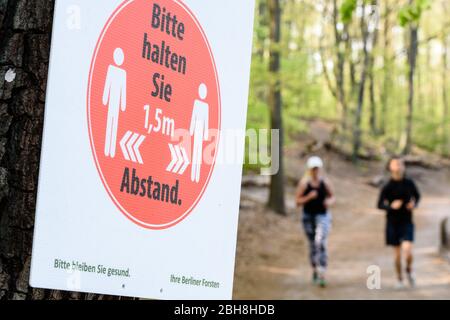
column 354, row 82
column 351, row 81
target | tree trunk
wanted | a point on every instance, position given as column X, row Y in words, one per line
column 276, row 197
column 25, row 35
column 412, row 58
column 24, row 53
column 387, row 68
column 351, row 63
column 373, row 103
column 445, row 102
column 261, row 24
column 366, row 37
column 340, row 66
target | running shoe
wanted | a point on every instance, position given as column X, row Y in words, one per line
column 322, row 283
column 411, row 279
column 315, row 277
column 321, row 277
column 399, row 285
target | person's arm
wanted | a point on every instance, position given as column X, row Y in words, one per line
column 107, row 88
column 383, row 203
column 301, row 199
column 415, row 195
column 123, row 94
column 330, row 199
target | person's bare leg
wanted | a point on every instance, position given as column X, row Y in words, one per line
column 407, row 248
column 398, row 262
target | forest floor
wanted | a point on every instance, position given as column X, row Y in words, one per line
column 272, row 256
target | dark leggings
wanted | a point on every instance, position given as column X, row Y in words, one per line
column 317, row 228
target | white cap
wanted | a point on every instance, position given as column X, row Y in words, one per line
column 314, row 162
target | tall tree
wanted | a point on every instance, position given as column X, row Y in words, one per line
column 334, row 13
column 368, row 40
column 340, row 36
column 410, row 17
column 445, row 99
column 276, row 196
column 387, row 67
column 260, row 29
column 24, row 54
column 373, row 28
column 368, row 25
column 25, row 34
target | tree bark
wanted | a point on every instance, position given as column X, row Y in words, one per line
column 24, row 55
column 276, row 197
column 339, row 37
column 25, row 35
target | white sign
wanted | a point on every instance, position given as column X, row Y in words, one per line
column 135, row 198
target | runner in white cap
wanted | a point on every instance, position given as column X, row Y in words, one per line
column 315, row 195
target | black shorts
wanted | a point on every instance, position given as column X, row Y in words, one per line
column 396, row 233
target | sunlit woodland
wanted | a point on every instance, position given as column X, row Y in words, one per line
column 371, row 74
column 375, row 69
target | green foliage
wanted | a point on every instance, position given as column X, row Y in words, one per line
column 306, row 95
column 411, row 13
column 347, row 9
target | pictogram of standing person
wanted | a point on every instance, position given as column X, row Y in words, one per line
column 199, row 130
column 115, row 97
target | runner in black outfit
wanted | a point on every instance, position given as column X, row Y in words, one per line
column 399, row 197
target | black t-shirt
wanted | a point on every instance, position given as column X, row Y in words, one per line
column 404, row 190
column 317, row 205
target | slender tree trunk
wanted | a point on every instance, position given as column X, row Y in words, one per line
column 387, row 68
column 445, row 102
column 419, row 86
column 373, row 103
column 361, row 92
column 433, row 88
column 366, row 37
column 351, row 63
column 412, row 59
column 262, row 22
column 340, row 66
column 276, row 197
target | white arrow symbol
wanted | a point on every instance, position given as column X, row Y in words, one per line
column 180, row 160
column 130, row 145
column 122, row 144
column 136, row 149
column 174, row 158
column 186, row 161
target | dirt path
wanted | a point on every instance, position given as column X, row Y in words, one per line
column 272, row 254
